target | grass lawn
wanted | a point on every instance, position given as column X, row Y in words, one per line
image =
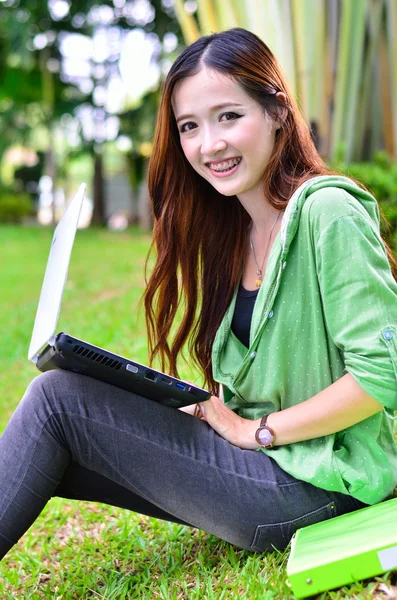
column 88, row 550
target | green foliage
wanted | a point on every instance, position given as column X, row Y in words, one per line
column 14, row 207
column 379, row 176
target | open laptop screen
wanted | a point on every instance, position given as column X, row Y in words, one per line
column 55, row 275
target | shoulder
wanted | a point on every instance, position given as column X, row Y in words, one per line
column 330, row 204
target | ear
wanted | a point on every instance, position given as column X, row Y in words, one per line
column 282, row 112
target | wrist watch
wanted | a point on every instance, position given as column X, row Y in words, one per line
column 264, row 435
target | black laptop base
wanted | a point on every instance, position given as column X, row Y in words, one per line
column 72, row 354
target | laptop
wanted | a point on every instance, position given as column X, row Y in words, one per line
column 49, row 350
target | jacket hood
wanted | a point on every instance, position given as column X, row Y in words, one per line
column 290, row 220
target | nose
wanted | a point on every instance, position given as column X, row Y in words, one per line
column 211, row 144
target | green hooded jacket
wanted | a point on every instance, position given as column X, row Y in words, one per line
column 327, row 306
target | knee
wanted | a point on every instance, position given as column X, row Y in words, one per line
column 39, row 401
column 47, row 387
column 44, row 382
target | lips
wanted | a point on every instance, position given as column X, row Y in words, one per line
column 224, row 165
column 226, row 172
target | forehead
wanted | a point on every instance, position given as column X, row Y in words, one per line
column 203, row 89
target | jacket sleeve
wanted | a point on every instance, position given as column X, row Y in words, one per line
column 359, row 298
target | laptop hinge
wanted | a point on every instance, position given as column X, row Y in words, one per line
column 51, row 342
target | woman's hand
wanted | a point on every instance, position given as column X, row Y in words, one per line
column 236, row 430
column 190, row 410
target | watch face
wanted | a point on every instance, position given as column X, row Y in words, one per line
column 265, row 436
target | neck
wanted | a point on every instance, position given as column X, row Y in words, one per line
column 262, row 228
column 262, row 213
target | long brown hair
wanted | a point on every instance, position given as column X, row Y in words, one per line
column 199, row 237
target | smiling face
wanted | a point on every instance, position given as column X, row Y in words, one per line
column 218, row 121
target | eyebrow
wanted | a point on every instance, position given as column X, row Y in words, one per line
column 214, row 108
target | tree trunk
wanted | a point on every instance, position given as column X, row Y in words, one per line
column 134, row 169
column 49, row 171
column 145, row 212
column 98, row 215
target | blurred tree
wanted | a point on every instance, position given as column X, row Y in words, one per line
column 138, row 125
column 41, row 79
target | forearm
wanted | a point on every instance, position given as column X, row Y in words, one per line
column 337, row 407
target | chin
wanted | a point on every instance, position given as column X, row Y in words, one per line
column 228, row 194
column 232, row 191
column 221, row 188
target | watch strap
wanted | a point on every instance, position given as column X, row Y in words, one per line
column 263, row 420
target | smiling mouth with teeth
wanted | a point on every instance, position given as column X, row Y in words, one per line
column 227, row 165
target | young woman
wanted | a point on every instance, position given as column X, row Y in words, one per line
column 288, row 305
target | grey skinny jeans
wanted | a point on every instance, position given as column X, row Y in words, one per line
column 75, row 437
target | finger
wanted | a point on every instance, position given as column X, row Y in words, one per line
column 202, row 408
column 190, row 410
column 207, row 407
column 201, row 412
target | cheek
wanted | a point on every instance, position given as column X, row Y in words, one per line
column 244, row 139
column 254, row 138
column 189, row 152
column 259, row 147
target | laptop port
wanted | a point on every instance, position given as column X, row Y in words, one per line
column 151, row 375
column 194, row 392
column 180, row 385
column 166, row 380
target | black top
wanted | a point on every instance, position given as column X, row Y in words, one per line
column 241, row 322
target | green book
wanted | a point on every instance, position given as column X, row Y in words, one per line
column 345, row 549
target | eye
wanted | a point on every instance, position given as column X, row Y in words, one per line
column 183, row 130
column 233, row 116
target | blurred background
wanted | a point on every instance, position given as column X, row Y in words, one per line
column 80, row 81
